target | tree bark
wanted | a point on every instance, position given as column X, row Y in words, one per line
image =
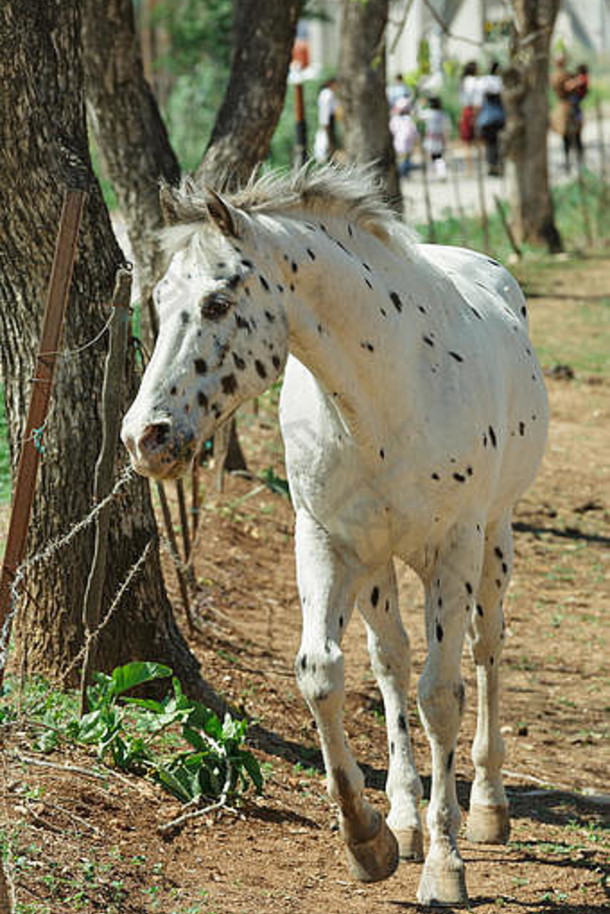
column 42, row 113
column 264, row 34
column 525, row 136
column 131, row 135
column 362, row 91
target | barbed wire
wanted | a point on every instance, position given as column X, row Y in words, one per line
column 49, row 550
column 92, row 636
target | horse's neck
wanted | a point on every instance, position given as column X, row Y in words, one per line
column 335, row 302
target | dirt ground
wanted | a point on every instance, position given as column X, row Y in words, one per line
column 85, row 842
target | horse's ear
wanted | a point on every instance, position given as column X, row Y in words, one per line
column 169, row 204
column 222, row 214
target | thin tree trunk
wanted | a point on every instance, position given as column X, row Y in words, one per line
column 525, row 137
column 362, row 91
column 42, row 115
column 264, row 34
column 131, row 135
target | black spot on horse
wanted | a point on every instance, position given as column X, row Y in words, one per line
column 476, row 313
column 382, row 454
column 201, row 366
column 440, row 634
column 504, row 567
column 492, row 436
column 367, row 345
column 239, row 362
column 228, row 384
column 428, row 341
column 185, row 317
column 498, row 553
column 459, row 478
column 523, row 311
column 368, row 282
column 469, row 471
column 402, row 723
column 173, row 391
column 375, row 596
column 480, row 610
column 264, row 283
column 242, row 323
column 435, row 476
column 276, row 362
column 456, row 356
column 450, row 760
column 202, row 399
column 247, row 263
column 311, row 253
column 468, row 587
column 395, row 298
column 260, row 369
column 294, row 266
column 522, row 429
column 270, row 317
column 304, row 662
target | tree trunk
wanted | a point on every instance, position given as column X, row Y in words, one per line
column 264, row 35
column 42, row 113
column 131, row 135
column 362, row 91
column 525, row 137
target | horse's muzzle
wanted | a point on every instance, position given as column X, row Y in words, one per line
column 159, row 449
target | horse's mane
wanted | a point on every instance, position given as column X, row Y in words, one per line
column 352, row 192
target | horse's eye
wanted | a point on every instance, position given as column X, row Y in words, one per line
column 215, row 306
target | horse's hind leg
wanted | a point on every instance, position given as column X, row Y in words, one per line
column 450, row 586
column 327, row 589
column 391, row 661
column 488, row 820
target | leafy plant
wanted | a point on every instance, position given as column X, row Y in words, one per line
column 177, row 741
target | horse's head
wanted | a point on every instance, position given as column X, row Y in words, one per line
column 223, row 338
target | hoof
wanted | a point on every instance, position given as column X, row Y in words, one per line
column 442, row 887
column 410, row 843
column 488, row 825
column 376, row 858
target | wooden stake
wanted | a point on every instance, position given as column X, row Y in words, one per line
column 429, row 216
column 171, row 536
column 104, row 469
column 507, row 228
column 53, row 321
column 481, row 184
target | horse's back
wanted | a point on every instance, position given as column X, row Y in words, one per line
column 466, row 268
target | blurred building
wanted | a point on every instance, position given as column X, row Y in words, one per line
column 455, row 29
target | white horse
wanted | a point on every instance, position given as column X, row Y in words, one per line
column 414, row 414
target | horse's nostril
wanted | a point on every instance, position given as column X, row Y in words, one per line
column 154, row 437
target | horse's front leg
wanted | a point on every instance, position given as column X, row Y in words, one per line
column 388, row 645
column 327, row 589
column 449, row 597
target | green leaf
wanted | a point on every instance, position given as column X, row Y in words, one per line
column 251, row 765
column 134, row 674
column 47, row 741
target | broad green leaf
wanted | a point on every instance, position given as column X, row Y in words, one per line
column 134, row 674
column 251, row 765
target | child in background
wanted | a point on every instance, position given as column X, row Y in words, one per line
column 437, row 127
column 404, row 135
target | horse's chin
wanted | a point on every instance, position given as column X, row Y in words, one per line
column 162, row 471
